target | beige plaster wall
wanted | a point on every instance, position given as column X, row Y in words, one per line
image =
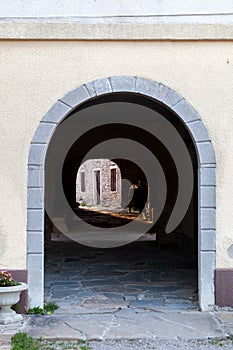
column 34, row 74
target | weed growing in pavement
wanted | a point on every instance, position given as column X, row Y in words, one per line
column 49, row 308
column 231, row 337
column 21, row 341
column 217, row 341
column 35, row 311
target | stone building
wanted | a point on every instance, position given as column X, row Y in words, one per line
column 99, row 183
column 173, row 60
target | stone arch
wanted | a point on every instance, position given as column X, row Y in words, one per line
column 206, row 176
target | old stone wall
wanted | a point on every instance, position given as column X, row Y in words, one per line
column 108, row 198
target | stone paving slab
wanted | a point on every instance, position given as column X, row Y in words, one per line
column 227, row 319
column 6, row 332
column 127, row 324
column 138, row 276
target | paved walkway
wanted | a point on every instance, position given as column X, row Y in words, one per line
column 125, row 324
column 133, row 292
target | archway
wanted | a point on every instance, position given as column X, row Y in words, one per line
column 177, row 106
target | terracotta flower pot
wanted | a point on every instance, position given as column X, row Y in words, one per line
column 8, row 297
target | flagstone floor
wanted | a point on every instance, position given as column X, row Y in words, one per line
column 140, row 275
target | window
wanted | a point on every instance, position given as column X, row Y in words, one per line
column 83, row 185
column 113, row 179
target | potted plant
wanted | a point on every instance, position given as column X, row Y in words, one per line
column 10, row 291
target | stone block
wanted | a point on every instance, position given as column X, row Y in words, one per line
column 206, row 280
column 172, row 97
column 122, row 83
column 35, row 242
column 35, row 176
column 208, row 196
column 206, row 153
column 76, row 96
column 90, row 88
column 35, row 280
column 56, row 113
column 199, row 131
column 35, row 198
column 208, row 240
column 37, row 154
column 208, row 176
column 35, row 220
column 161, row 92
column 185, row 111
column 207, row 218
column 102, row 86
column 43, row 133
column 146, row 87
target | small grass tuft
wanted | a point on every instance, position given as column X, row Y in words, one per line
column 21, row 341
column 35, row 311
column 85, row 347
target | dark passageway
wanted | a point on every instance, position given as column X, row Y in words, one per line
column 151, row 273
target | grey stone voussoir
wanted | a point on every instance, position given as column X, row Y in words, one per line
column 37, row 154
column 44, row 132
column 198, row 131
column 75, row 97
column 35, row 176
column 172, row 98
column 185, row 111
column 102, row 86
column 90, row 88
column 146, row 87
column 56, row 113
column 161, row 93
column 122, row 83
column 205, row 153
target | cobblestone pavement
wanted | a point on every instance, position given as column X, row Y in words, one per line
column 82, row 279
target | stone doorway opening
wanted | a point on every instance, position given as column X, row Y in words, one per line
column 167, row 262
column 180, row 247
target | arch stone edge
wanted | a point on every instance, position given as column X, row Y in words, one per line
column 206, row 175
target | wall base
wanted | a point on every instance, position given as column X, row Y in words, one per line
column 224, row 287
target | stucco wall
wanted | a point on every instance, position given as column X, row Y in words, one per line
column 35, row 74
column 99, row 8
